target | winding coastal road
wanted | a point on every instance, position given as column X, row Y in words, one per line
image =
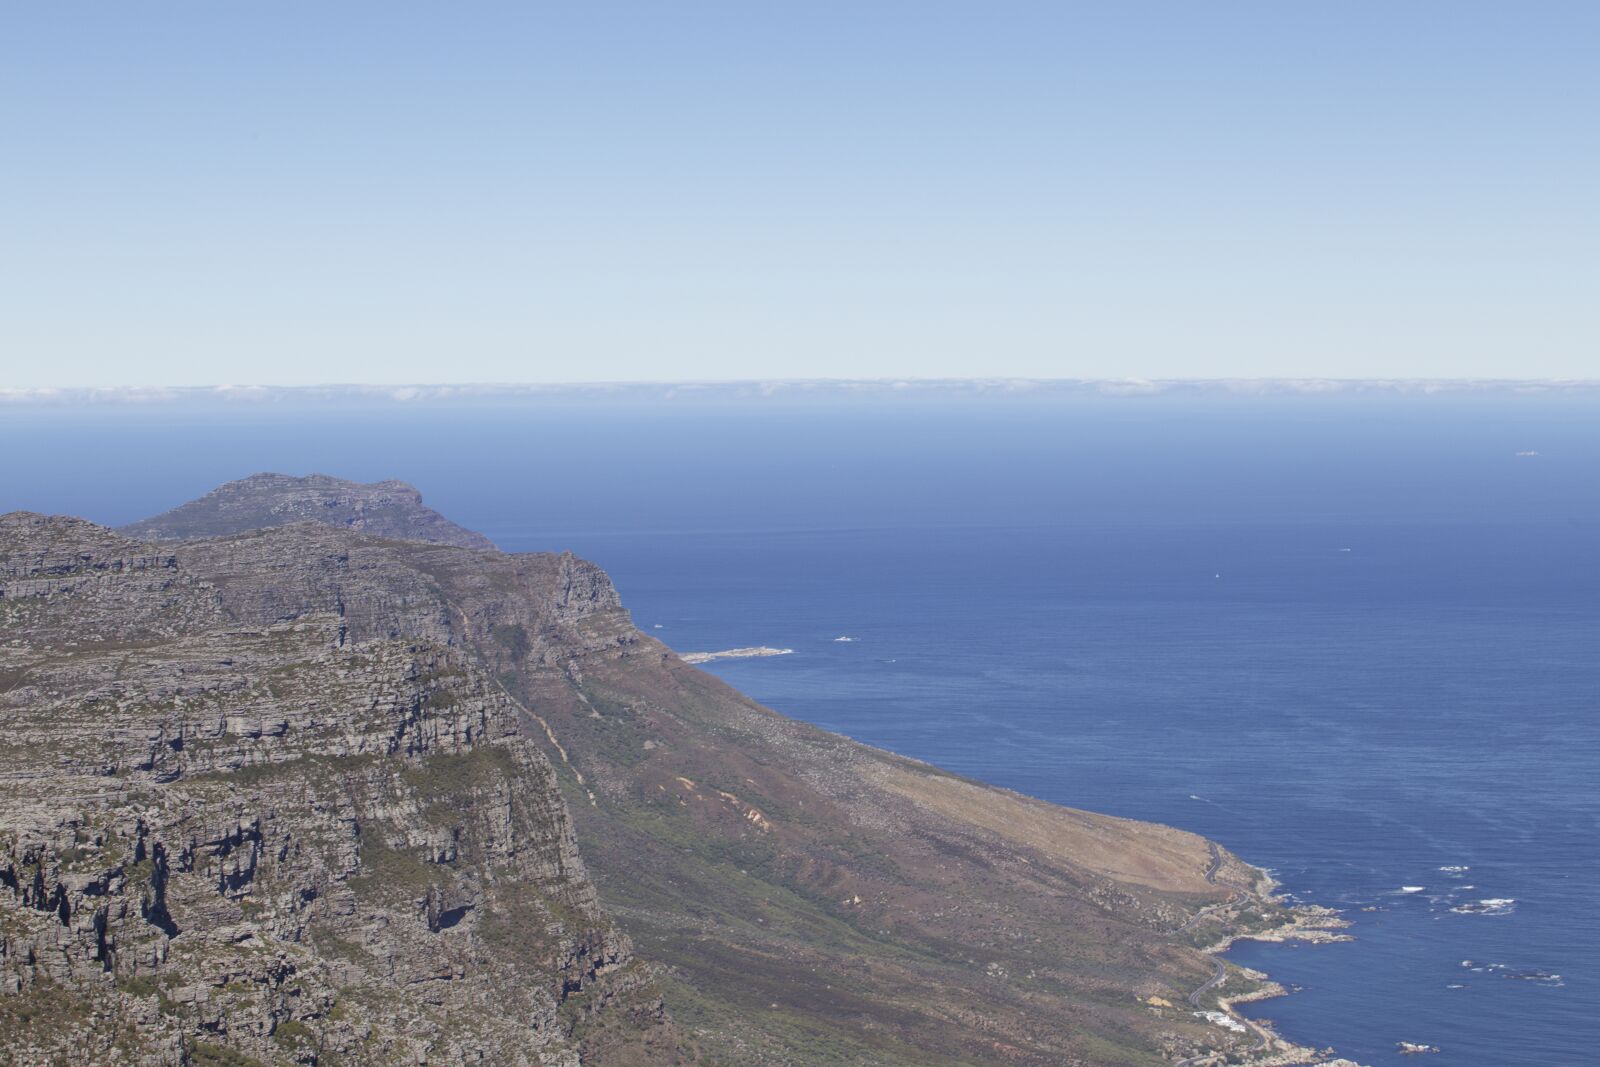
column 1209, row 984
column 1220, row 975
column 1211, row 877
column 1216, row 979
column 1197, row 916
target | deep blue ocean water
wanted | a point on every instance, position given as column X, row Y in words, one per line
column 1355, row 640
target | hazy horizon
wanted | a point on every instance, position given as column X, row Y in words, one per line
column 668, row 389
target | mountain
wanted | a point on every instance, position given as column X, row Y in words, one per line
column 304, row 794
column 257, row 809
column 383, row 509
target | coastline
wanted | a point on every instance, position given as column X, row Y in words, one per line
column 1310, row 923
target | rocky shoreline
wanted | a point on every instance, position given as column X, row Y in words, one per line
column 1311, row 923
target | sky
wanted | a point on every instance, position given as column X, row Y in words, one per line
column 306, row 193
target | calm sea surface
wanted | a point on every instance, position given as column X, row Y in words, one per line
column 1357, row 641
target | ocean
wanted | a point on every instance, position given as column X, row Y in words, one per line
column 1354, row 639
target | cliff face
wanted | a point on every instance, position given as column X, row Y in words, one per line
column 255, row 805
column 383, row 509
column 308, row 795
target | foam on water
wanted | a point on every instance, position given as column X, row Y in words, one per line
column 1491, row 906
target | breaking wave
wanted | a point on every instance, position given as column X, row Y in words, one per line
column 1490, row 906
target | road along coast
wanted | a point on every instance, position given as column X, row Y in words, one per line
column 1241, row 917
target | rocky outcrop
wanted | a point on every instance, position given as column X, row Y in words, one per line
column 244, row 818
column 383, row 509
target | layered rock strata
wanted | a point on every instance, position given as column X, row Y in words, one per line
column 256, row 806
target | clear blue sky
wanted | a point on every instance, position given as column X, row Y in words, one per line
column 296, row 193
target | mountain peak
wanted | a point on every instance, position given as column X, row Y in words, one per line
column 391, row 509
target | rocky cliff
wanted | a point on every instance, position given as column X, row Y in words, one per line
column 308, row 795
column 383, row 509
column 256, row 809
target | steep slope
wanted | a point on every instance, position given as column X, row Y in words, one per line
column 384, row 509
column 819, row 901
column 253, row 810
